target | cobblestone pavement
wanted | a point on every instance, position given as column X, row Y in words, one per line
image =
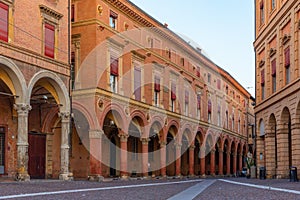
column 151, row 189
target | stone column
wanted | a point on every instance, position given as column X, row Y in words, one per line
column 64, row 148
column 145, row 155
column 95, row 155
column 178, row 159
column 163, row 164
column 260, row 148
column 283, row 151
column 212, row 162
column 202, row 161
column 240, row 162
column 296, row 145
column 228, row 163
column 270, row 152
column 22, row 143
column 123, row 154
column 234, row 163
column 191, row 160
column 220, row 161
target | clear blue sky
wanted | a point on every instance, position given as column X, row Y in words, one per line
column 224, row 29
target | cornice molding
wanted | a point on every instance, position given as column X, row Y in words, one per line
column 50, row 12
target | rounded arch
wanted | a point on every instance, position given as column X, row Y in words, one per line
column 54, row 85
column 139, row 114
column 172, row 128
column 90, row 119
column 46, row 128
column 118, row 113
column 285, row 114
column 186, row 133
column 13, row 78
column 261, row 127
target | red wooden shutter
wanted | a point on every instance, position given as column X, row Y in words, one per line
column 186, row 98
column 287, row 57
column 3, row 22
column 114, row 66
column 273, row 64
column 137, row 83
column 72, row 13
column 198, row 71
column 173, row 91
column 219, row 84
column 209, row 106
column 263, row 77
column 198, row 101
column 49, row 40
column 156, row 84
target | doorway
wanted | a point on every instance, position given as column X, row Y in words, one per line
column 36, row 154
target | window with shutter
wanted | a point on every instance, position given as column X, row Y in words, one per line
column 137, row 83
column 49, row 40
column 3, row 22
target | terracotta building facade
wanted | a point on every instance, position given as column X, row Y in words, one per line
column 34, row 94
column 277, row 86
column 146, row 102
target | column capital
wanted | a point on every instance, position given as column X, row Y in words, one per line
column 65, row 116
column 22, row 108
column 177, row 145
column 192, row 147
column 95, row 134
column 162, row 143
column 145, row 140
column 123, row 137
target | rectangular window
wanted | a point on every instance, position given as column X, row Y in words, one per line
column 219, row 115
column 209, row 109
column 49, row 40
column 287, row 65
column 3, row 22
column 208, row 78
column 273, row 65
column 113, row 19
column 198, row 104
column 114, row 72
column 219, row 84
column 137, row 83
column 273, row 4
column 73, row 62
column 198, row 71
column 72, row 13
column 156, row 89
column 262, row 82
column 262, row 12
column 227, row 120
column 186, row 103
column 173, row 96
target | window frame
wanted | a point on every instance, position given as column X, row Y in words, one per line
column 5, row 36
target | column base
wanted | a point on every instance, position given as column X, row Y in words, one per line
column 22, row 177
column 66, row 177
column 191, row 175
column 96, row 177
column 124, row 177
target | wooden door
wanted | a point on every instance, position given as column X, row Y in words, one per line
column 36, row 153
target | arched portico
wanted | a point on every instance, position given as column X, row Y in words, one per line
column 13, row 90
column 46, row 88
